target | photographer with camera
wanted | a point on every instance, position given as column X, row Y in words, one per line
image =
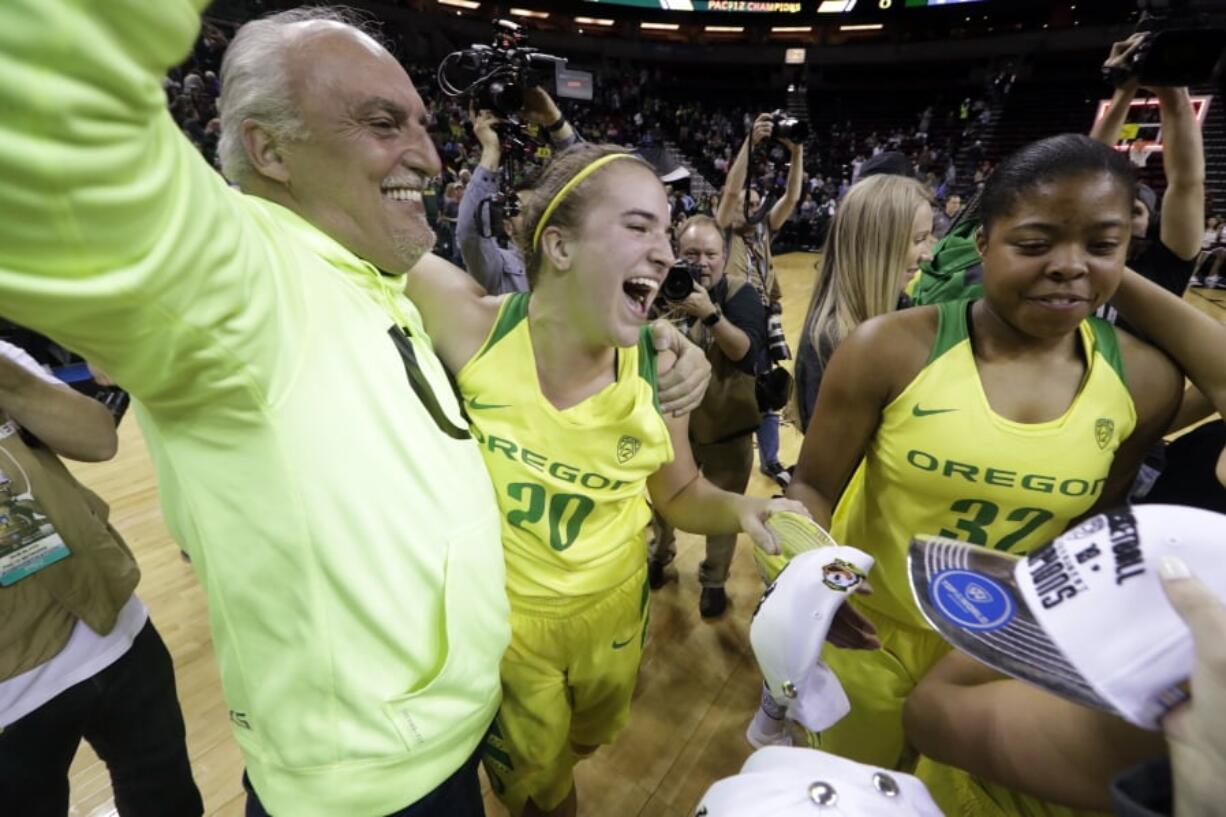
column 725, row 317
column 501, row 269
column 748, row 248
column 1166, row 240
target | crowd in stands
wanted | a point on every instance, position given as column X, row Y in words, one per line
column 624, row 111
column 283, row 315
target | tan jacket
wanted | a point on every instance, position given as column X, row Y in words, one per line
column 750, row 260
column 37, row 613
column 730, row 406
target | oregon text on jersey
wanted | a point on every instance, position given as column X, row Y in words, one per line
column 591, row 480
column 1004, row 477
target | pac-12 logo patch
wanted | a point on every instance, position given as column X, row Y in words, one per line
column 841, row 576
column 627, row 447
column 1104, row 431
column 971, row 600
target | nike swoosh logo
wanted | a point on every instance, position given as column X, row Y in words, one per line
column 477, row 405
column 919, row 412
column 617, row 645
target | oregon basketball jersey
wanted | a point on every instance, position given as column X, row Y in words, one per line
column 571, row 484
column 942, row 462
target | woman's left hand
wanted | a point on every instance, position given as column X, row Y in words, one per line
column 754, row 514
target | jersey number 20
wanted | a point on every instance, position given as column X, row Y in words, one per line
column 567, row 512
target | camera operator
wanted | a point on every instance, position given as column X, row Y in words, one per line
column 748, row 249
column 1165, row 241
column 725, row 317
column 1164, row 247
column 501, row 269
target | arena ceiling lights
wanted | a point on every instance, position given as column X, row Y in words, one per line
column 593, row 21
column 750, row 6
column 471, row 5
column 539, row 15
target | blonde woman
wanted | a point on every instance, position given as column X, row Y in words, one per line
column 880, row 234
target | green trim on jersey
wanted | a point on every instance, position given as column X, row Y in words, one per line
column 509, row 315
column 951, row 328
column 647, row 363
column 571, row 482
column 1107, row 344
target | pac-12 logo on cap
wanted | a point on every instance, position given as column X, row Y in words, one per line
column 971, row 600
column 842, row 576
column 1086, row 529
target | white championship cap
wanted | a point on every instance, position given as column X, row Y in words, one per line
column 782, row 781
column 1083, row 616
column 789, row 628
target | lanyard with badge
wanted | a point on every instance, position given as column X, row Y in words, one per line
column 28, row 540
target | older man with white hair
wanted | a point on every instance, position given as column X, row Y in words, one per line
column 313, row 458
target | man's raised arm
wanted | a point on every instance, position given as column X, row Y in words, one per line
column 111, row 223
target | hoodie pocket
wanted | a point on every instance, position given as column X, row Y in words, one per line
column 457, row 704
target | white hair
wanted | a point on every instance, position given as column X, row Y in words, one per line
column 255, row 82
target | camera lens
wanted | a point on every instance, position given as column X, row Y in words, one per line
column 777, row 343
column 503, row 97
column 679, row 282
column 792, row 129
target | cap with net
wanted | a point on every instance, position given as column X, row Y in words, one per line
column 780, row 781
column 795, row 533
column 1083, row 616
column 789, row 628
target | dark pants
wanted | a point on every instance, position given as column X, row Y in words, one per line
column 129, row 713
column 457, row 796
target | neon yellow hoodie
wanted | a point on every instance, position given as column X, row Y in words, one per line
column 349, row 547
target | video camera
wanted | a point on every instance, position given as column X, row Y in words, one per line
column 1174, row 54
column 497, row 76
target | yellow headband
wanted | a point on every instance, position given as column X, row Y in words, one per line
column 571, row 185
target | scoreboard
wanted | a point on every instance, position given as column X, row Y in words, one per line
column 781, row 6
column 755, row 6
column 922, row 3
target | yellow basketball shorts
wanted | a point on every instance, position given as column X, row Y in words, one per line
column 567, row 680
column 960, row 794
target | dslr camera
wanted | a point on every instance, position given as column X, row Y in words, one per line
column 497, row 76
column 1173, row 54
column 680, row 280
column 788, row 127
